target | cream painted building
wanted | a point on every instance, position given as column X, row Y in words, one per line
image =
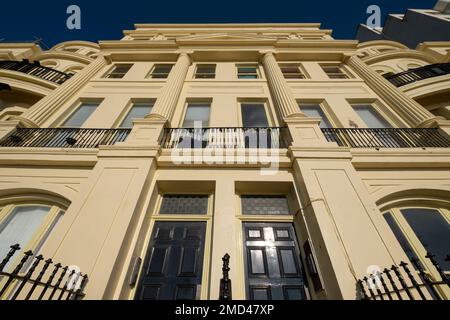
column 317, row 160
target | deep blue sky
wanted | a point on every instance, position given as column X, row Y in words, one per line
column 105, row 20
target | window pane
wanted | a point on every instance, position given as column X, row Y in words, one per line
column 119, row 71
column 184, row 204
column 138, row 111
column 248, row 76
column 315, row 111
column 161, row 71
column 197, row 112
column 254, row 115
column 268, row 205
column 432, row 230
column 404, row 243
column 247, row 72
column 247, row 69
column 291, row 72
column 371, row 117
column 83, row 112
column 20, row 226
column 205, row 71
column 334, row 72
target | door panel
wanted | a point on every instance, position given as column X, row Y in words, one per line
column 272, row 261
column 173, row 265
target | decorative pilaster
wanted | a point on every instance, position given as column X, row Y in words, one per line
column 412, row 112
column 46, row 107
column 166, row 103
column 281, row 93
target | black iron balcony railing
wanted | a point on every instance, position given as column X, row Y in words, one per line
column 417, row 74
column 226, row 138
column 63, row 137
column 35, row 69
column 387, row 138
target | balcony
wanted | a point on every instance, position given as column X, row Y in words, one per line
column 63, row 138
column 418, row 74
column 387, row 138
column 36, row 70
column 225, row 138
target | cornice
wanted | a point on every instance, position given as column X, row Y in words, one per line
column 232, row 43
column 404, row 158
column 136, row 44
column 240, row 26
column 49, row 157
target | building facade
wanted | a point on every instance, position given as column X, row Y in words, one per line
column 413, row 27
column 143, row 161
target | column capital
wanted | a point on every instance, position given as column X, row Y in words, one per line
column 107, row 57
column 155, row 117
column 186, row 53
column 347, row 56
column 265, row 53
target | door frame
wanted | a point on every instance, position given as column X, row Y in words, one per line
column 207, row 251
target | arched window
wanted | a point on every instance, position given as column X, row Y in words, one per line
column 421, row 230
column 27, row 223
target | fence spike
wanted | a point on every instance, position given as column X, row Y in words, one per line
column 363, row 290
column 79, row 292
column 416, row 285
column 13, row 275
column 30, row 272
column 39, row 278
column 394, row 286
column 64, row 289
column 10, row 254
column 50, row 280
column 436, row 265
column 58, row 282
column 386, row 289
column 366, row 280
column 402, row 282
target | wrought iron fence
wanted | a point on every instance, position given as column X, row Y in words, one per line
column 229, row 138
column 53, row 282
column 225, row 283
column 404, row 283
column 35, row 69
column 387, row 137
column 63, row 137
column 417, row 74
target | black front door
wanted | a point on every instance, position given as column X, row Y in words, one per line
column 272, row 261
column 173, row 266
